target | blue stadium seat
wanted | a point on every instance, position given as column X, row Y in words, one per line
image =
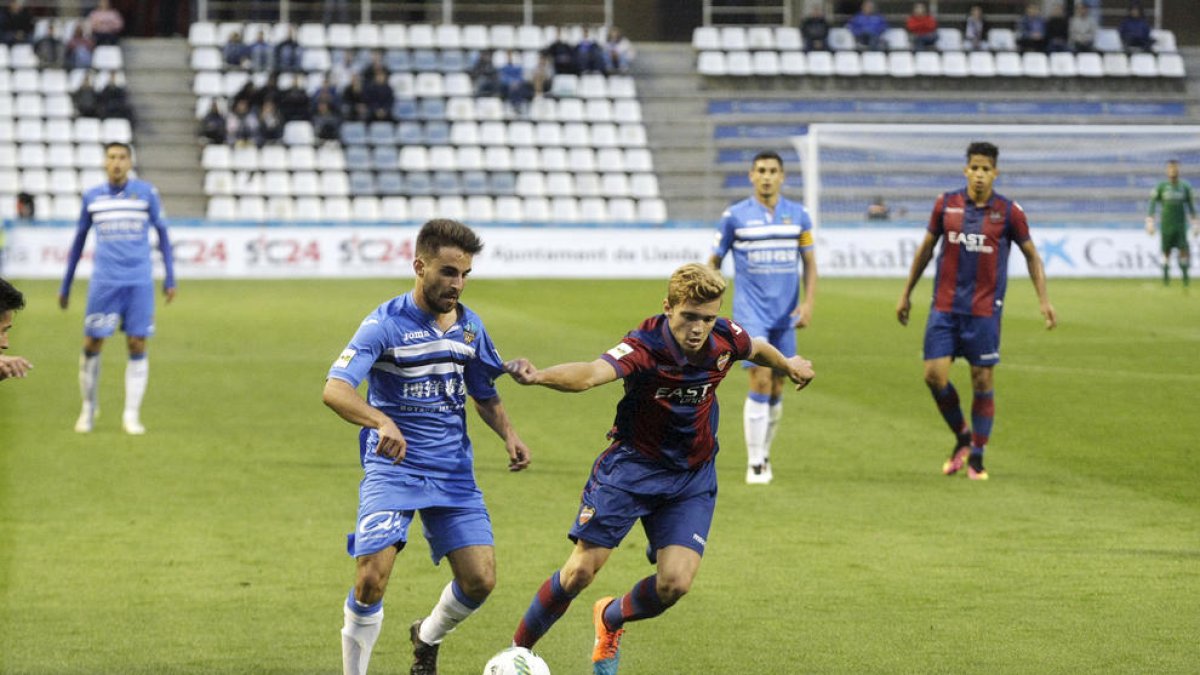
column 390, row 183
column 362, row 183
column 358, row 157
column 353, row 133
column 452, row 61
column 381, row 133
column 446, row 183
column 504, row 183
column 437, row 133
column 398, row 60
column 424, row 60
column 384, row 157
column 405, row 109
column 432, row 109
column 409, row 133
column 475, row 183
column 419, row 183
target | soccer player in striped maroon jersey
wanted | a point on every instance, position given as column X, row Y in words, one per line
column 977, row 227
column 659, row 467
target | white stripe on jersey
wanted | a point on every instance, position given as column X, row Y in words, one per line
column 764, row 231
column 765, row 243
column 410, row 351
column 114, row 204
column 419, row 371
column 119, row 215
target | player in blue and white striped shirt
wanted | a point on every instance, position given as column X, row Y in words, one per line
column 770, row 237
column 422, row 354
column 121, row 292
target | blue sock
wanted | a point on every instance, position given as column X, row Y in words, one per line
column 983, row 413
column 640, row 603
column 549, row 604
column 948, row 405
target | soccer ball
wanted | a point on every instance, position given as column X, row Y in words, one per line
column 516, row 661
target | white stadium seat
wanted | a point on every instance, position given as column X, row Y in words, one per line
column 1164, row 41
column 1063, row 64
column 711, row 63
column 787, row 38
column 1143, row 65
column 733, row 38
column 1171, row 65
column 739, row 63
column 1035, row 64
column 706, row 38
column 1116, row 64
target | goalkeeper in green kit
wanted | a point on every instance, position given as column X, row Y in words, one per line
column 1175, row 195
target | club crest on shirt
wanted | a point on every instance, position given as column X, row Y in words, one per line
column 469, row 332
column 723, row 360
column 995, row 216
column 585, row 514
column 620, row 350
column 786, row 220
column 343, row 361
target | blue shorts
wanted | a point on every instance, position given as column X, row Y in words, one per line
column 676, row 507
column 784, row 339
column 975, row 337
column 446, row 529
column 110, row 306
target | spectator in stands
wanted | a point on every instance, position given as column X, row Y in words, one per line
column 353, row 105
column 878, row 209
column 1135, row 31
column 1057, row 34
column 975, row 31
column 343, row 69
column 212, row 125
column 1081, row 29
column 293, row 103
column 236, row 52
column 326, row 122
column 270, row 124
column 270, row 91
column 543, row 75
column 261, row 53
column 326, row 92
column 114, row 100
column 815, row 29
column 49, row 48
column 16, row 23
column 1031, row 30
column 379, row 98
column 562, row 55
column 589, row 54
column 484, row 76
column 288, row 52
column 241, row 124
column 868, row 27
column 922, row 28
column 105, row 23
column 85, row 98
column 25, row 206
column 618, row 52
column 513, row 87
column 377, row 64
column 79, row 50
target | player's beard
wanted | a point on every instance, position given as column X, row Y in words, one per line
column 442, row 302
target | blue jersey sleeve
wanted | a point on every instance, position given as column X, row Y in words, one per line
column 482, row 371
column 81, row 231
column 806, row 230
column 725, row 232
column 164, row 241
column 356, row 360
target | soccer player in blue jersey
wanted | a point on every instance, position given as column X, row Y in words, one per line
column 121, row 292
column 422, row 354
column 660, row 465
column 768, row 235
column 11, row 300
column 978, row 227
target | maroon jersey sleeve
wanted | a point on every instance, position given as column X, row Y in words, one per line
column 1018, row 225
column 741, row 341
column 935, row 219
column 631, row 355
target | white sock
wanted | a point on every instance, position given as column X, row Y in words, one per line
column 359, row 633
column 754, row 423
column 89, row 378
column 452, row 609
column 137, row 372
column 772, row 426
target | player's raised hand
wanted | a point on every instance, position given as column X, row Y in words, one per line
column 14, row 366
column 62, row 301
column 800, row 371
column 518, row 454
column 391, row 442
column 1149, row 224
column 1050, row 315
column 902, row 309
column 170, row 293
column 521, row 370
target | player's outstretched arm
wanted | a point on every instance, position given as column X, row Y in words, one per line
column 492, row 412
column 577, row 376
column 1150, row 225
column 14, row 366
column 345, row 401
column 804, row 311
column 797, row 368
column 920, row 260
column 1037, row 272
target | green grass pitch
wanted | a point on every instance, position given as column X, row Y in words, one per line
column 215, row 543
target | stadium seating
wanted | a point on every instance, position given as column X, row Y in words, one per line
column 46, row 150
column 447, row 152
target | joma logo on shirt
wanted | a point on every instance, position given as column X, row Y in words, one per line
column 975, row 243
column 416, row 335
column 684, row 394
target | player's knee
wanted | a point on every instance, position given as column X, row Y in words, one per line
column 671, row 588
column 575, row 579
column 369, row 588
column 478, row 587
column 935, row 380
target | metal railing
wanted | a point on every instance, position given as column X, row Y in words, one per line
column 768, row 12
column 430, row 11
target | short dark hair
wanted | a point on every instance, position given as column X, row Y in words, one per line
column 984, row 148
column 118, row 144
column 446, row 232
column 10, row 297
column 767, row 154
